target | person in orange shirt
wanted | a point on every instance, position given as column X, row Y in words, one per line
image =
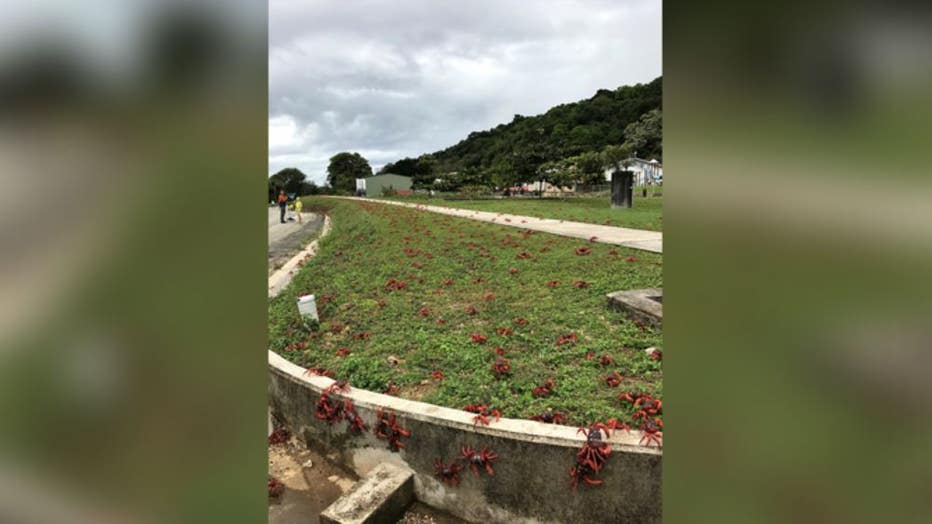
column 282, row 204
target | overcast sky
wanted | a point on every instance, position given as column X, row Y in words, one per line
column 396, row 78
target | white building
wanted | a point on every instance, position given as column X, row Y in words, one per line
column 645, row 171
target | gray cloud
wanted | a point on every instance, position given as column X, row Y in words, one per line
column 404, row 77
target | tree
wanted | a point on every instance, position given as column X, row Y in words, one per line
column 291, row 179
column 646, row 135
column 344, row 169
column 590, row 167
column 618, row 157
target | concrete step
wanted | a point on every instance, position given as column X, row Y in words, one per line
column 380, row 497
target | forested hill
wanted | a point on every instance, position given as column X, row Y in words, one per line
column 563, row 131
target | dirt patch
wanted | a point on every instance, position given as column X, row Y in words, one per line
column 311, row 483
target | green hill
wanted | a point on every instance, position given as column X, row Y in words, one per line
column 563, row 131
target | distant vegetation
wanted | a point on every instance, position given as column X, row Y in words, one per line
column 567, row 144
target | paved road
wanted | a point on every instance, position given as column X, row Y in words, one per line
column 622, row 236
column 287, row 239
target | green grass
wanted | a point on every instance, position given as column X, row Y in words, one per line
column 647, row 213
column 372, row 243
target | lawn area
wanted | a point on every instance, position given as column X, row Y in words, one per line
column 404, row 293
column 647, row 213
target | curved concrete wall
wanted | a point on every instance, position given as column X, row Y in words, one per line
column 531, row 482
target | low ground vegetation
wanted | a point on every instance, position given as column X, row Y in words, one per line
column 457, row 312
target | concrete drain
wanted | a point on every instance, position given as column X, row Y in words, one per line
column 644, row 305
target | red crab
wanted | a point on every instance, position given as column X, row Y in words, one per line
column 591, row 458
column 437, row 375
column 424, row 312
column 632, row 259
column 339, row 386
column 606, row 360
column 613, row 379
column 500, row 351
column 513, row 270
column 580, row 284
column 647, row 406
column 396, row 285
column 478, row 338
column 593, row 239
column 482, row 413
column 471, row 310
column 388, row 429
column 566, row 339
column 656, row 355
column 448, row 473
column 488, row 296
column 553, row 283
column 479, row 280
column 342, row 352
column 501, row 366
column 520, row 321
column 479, row 459
column 276, row 488
column 323, row 372
column 438, row 291
column 613, row 252
column 296, row 346
column 652, row 433
column 550, row 417
column 390, row 389
column 279, row 436
column 447, row 282
column 544, row 389
column 362, row 336
column 503, row 331
column 523, row 255
column 441, row 321
column 582, row 251
column 630, row 396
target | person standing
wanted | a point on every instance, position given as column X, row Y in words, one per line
column 297, row 208
column 282, row 204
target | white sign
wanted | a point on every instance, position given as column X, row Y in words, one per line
column 307, row 306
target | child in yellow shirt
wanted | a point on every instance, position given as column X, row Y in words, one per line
column 297, row 208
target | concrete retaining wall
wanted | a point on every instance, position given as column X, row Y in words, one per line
column 531, row 482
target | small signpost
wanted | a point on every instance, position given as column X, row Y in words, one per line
column 622, row 187
column 307, row 306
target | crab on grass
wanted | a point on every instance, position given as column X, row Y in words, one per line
column 544, row 389
column 501, row 367
column 613, row 379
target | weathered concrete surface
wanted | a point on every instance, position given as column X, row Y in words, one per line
column 379, row 498
column 531, row 482
column 645, row 305
column 622, row 236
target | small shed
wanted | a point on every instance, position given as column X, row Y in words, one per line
column 376, row 185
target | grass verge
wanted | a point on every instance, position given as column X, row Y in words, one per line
column 401, row 294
